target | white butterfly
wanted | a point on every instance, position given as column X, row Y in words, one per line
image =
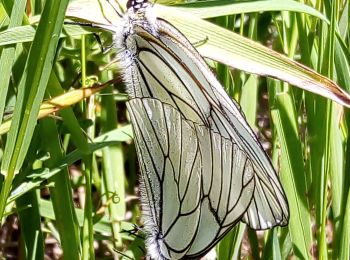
column 202, row 168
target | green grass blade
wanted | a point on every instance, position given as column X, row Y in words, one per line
column 272, row 248
column 220, row 8
column 61, row 195
column 113, row 168
column 8, row 54
column 329, row 136
column 87, row 232
column 229, row 246
column 88, row 251
column 30, row 221
column 292, row 174
column 345, row 238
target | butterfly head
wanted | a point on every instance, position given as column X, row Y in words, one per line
column 137, row 5
column 139, row 13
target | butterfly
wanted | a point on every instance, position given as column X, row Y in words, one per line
column 202, row 168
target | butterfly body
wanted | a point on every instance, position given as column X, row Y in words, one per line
column 202, row 168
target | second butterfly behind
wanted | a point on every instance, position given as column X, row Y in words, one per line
column 202, row 168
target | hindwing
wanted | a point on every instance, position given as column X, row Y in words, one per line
column 198, row 184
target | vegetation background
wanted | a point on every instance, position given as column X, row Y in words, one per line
column 69, row 182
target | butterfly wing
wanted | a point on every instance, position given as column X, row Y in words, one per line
column 202, row 167
column 185, row 167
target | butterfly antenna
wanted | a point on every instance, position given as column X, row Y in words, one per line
column 103, row 49
column 122, row 254
column 133, row 231
column 98, row 39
